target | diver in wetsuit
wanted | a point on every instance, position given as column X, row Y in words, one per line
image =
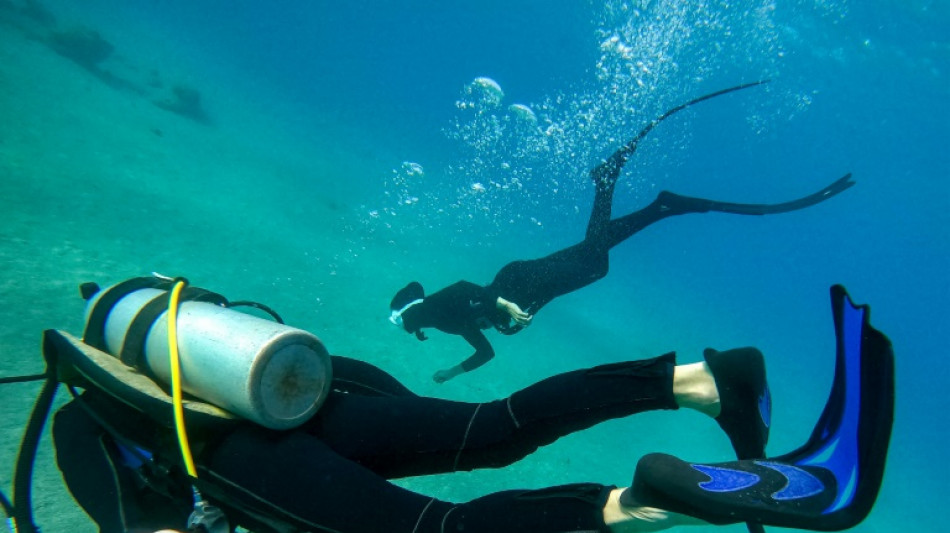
column 521, row 288
column 331, row 474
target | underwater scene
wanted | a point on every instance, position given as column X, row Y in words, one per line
column 317, row 157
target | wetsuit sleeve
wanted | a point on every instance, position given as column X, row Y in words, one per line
column 488, row 302
column 489, row 297
column 483, row 350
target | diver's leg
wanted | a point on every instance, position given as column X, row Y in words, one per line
column 605, row 174
column 575, row 507
column 621, row 229
column 605, row 177
column 729, row 386
column 600, row 212
column 534, row 283
column 297, row 479
column 397, row 437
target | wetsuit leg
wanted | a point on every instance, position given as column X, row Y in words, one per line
column 306, row 483
column 409, row 436
column 627, row 226
column 605, row 180
column 577, row 507
column 533, row 284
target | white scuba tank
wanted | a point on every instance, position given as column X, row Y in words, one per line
column 267, row 372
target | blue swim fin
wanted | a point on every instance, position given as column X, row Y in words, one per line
column 828, row 484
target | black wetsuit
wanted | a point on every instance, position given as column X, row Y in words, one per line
column 331, row 474
column 465, row 308
column 462, row 308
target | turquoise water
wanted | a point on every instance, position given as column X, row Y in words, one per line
column 350, row 149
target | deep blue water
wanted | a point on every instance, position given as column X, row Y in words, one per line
column 431, row 175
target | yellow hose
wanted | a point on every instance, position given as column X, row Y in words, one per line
column 176, row 378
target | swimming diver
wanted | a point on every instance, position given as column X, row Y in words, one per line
column 521, row 288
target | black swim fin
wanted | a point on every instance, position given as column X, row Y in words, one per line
column 631, row 146
column 828, row 484
column 606, row 173
column 744, row 397
column 686, row 204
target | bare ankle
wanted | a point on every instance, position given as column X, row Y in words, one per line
column 641, row 519
column 695, row 388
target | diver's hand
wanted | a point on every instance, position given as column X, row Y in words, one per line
column 519, row 316
column 444, row 375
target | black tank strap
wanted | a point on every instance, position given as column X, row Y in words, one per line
column 134, row 345
column 94, row 334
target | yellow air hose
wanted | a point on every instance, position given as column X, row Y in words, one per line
column 176, row 377
column 204, row 517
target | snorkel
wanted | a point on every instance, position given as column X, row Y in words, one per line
column 396, row 316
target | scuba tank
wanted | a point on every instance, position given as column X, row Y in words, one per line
column 234, row 365
column 261, row 370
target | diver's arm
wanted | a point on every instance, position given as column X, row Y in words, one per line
column 441, row 376
column 483, row 354
column 513, row 309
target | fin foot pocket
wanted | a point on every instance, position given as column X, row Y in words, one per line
column 744, row 398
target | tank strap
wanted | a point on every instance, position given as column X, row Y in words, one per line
column 134, row 345
column 94, row 334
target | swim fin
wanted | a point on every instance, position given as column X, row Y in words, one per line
column 631, row 146
column 606, row 173
column 744, row 397
column 828, row 484
column 686, row 204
